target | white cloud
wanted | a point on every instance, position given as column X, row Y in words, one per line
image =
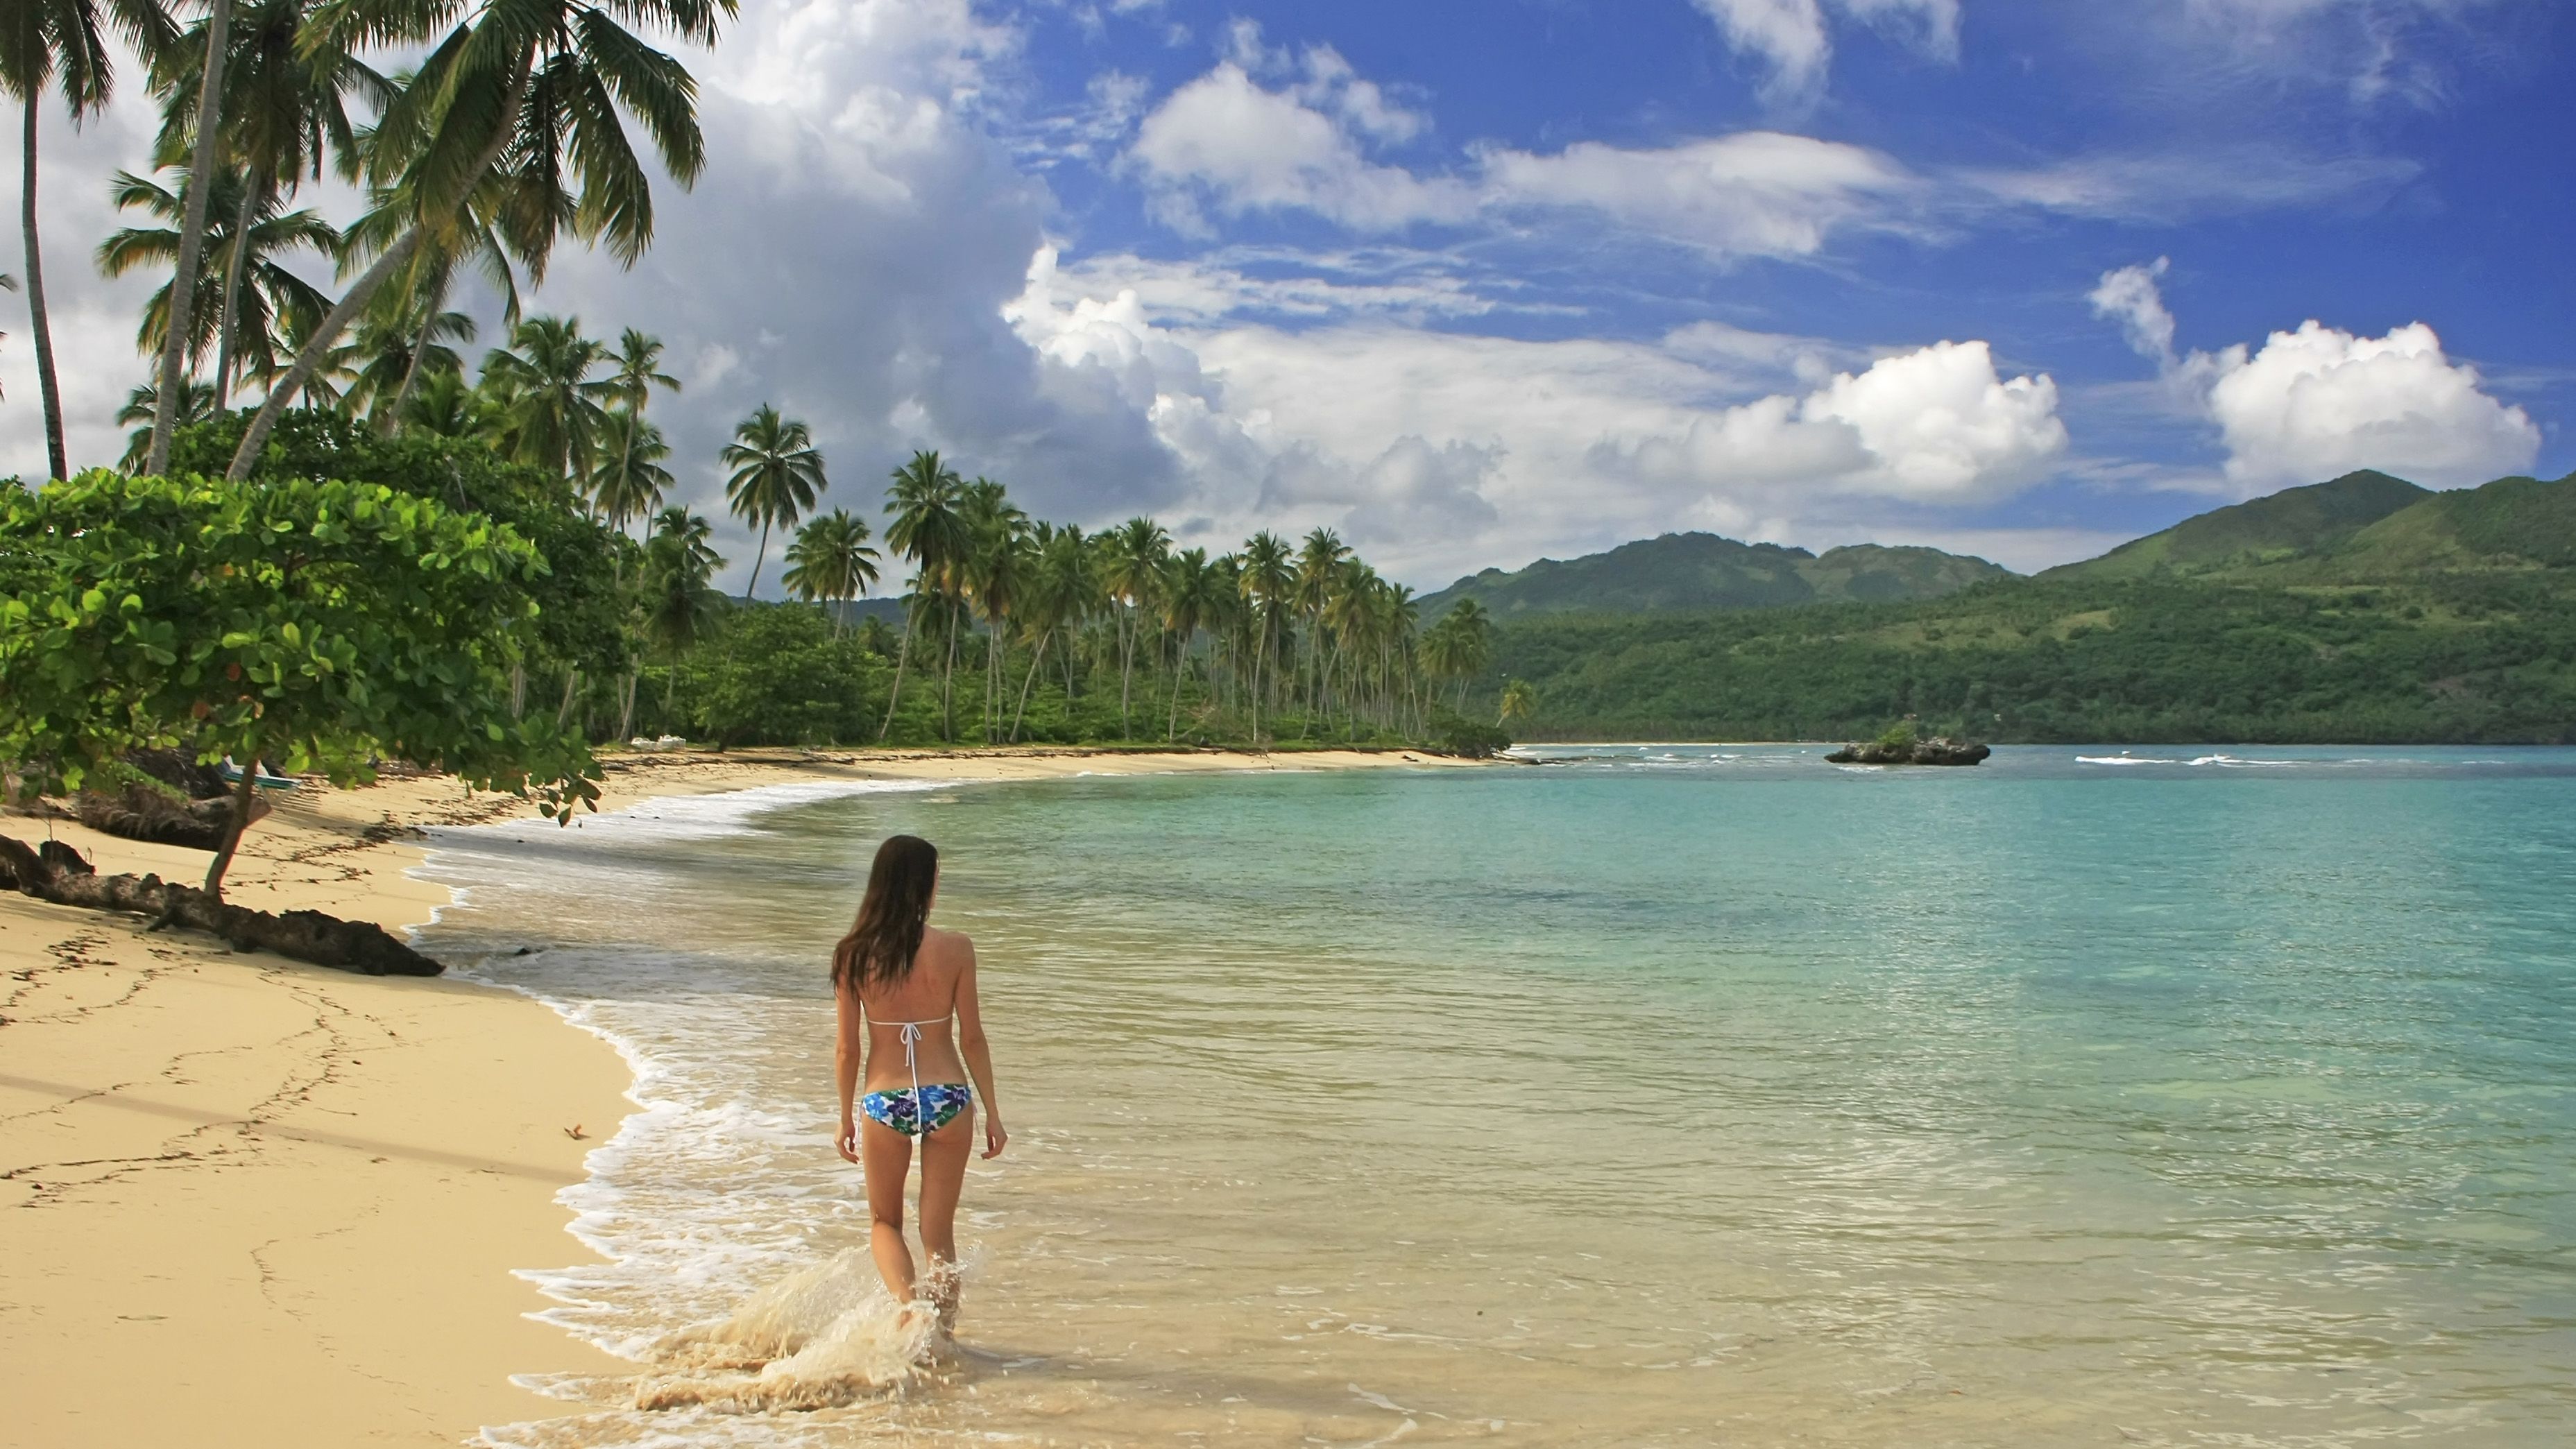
column 2206, row 181
column 1449, row 451
column 2131, row 296
column 1792, row 40
column 1224, row 139
column 1754, row 193
column 1227, row 143
column 2318, row 403
column 2321, row 402
column 1935, row 425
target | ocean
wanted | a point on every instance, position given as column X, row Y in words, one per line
column 1635, row 1095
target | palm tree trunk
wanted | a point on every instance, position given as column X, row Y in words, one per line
column 411, row 370
column 756, row 560
column 1126, row 669
column 626, row 708
column 1034, row 661
column 902, row 657
column 1180, row 661
column 225, row 318
column 192, row 235
column 337, row 320
column 49, row 391
column 947, row 681
column 572, row 681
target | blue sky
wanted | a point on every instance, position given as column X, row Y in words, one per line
column 1481, row 282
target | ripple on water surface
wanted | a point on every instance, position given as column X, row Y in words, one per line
column 1666, row 1094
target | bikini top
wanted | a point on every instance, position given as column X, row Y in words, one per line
column 911, row 1039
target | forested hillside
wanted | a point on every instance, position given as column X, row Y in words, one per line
column 1698, row 571
column 2450, row 618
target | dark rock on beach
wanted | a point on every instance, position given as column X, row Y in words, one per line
column 1937, row 751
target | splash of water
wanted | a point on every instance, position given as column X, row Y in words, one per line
column 822, row 1337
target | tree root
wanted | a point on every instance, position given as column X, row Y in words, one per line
column 59, row 875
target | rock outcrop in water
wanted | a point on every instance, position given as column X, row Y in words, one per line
column 1939, row 750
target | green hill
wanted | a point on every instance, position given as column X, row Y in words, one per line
column 2293, row 523
column 2328, row 617
column 1701, row 571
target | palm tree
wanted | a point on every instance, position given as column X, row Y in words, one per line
column 680, row 602
column 1188, row 597
column 628, row 481
column 1459, row 645
column 928, row 528
column 61, row 45
column 444, row 405
column 283, row 108
column 140, row 407
column 1268, row 575
column 399, row 348
column 1061, row 589
column 992, row 569
column 419, row 290
column 1133, row 569
column 635, row 370
column 481, row 94
column 218, row 46
column 270, row 294
column 1518, row 701
column 556, row 411
column 1319, row 563
column 830, row 561
column 776, row 475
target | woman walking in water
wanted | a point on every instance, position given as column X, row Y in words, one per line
column 899, row 982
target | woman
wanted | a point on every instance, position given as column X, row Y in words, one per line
column 899, row 981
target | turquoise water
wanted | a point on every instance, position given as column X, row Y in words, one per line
column 1645, row 1095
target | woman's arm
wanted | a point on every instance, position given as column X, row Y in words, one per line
column 849, row 1054
column 978, row 1052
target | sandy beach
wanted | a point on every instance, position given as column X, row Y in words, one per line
column 256, row 1202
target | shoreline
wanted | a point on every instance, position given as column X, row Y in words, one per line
column 302, row 1195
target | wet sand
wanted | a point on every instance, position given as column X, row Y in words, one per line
column 254, row 1202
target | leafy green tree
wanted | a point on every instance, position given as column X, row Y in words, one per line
column 1519, row 701
column 777, row 474
column 64, row 46
column 313, row 626
column 781, row 676
column 994, row 568
column 442, row 406
column 831, row 562
column 546, row 85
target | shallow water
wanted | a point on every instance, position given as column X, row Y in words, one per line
column 1657, row 1095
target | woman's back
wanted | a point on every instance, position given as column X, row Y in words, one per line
column 921, row 1006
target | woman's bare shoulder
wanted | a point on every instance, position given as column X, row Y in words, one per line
column 947, row 945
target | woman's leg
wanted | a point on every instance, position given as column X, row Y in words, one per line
column 886, row 1156
column 943, row 1176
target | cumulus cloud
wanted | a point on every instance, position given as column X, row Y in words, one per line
column 1792, row 41
column 1446, row 451
column 1224, row 140
column 2320, row 402
column 1935, row 425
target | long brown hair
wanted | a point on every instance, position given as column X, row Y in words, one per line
column 887, row 934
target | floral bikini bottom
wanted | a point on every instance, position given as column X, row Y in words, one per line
column 918, row 1111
